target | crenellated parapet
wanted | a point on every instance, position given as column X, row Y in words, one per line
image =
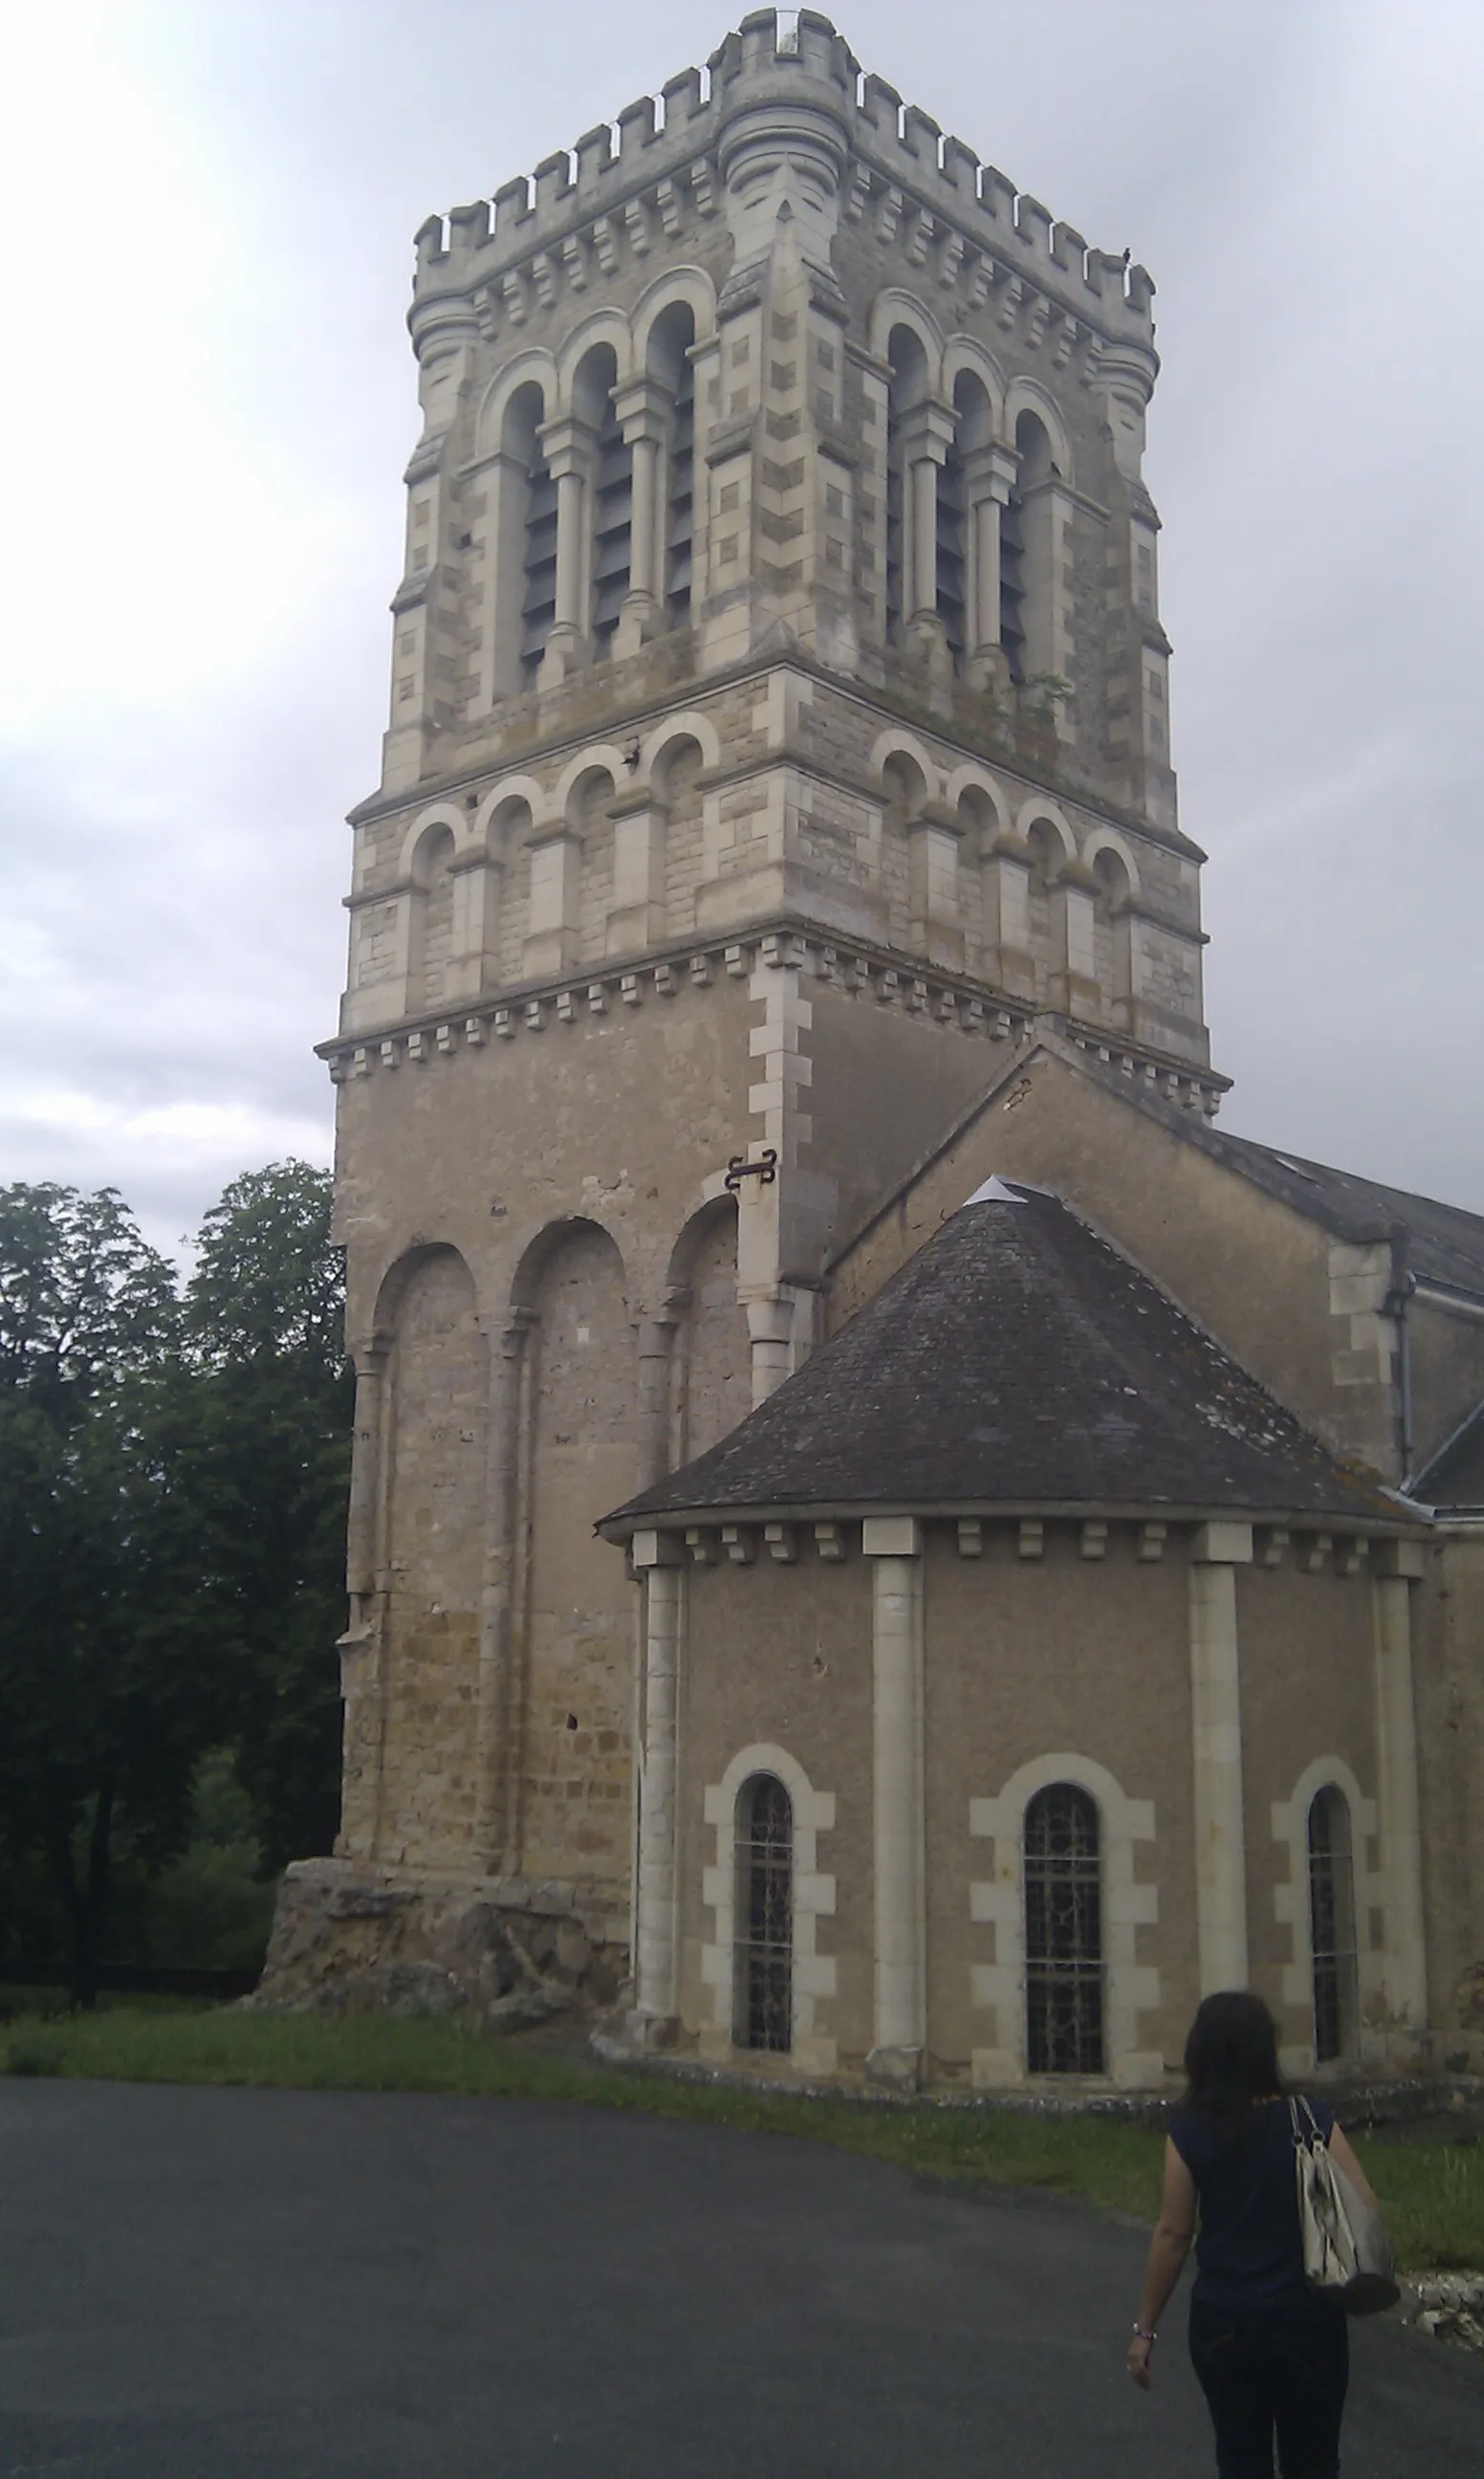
column 773, row 362
column 773, row 405
column 627, row 189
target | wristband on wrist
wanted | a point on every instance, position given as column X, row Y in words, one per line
column 1142, row 2332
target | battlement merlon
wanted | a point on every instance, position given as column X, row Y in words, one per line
column 667, row 146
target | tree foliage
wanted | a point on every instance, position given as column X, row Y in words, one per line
column 103, row 1699
column 265, row 1312
column 172, row 1481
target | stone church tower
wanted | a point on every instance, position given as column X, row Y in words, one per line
column 778, row 742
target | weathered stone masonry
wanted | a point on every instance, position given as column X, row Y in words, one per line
column 776, row 806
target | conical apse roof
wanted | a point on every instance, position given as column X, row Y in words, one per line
column 1018, row 1358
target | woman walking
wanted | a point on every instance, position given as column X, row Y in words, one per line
column 1272, row 2356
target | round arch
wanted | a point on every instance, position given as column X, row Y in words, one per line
column 1290, row 1900
column 897, row 743
column 964, row 355
column 439, row 813
column 895, row 307
column 601, row 327
column 813, row 1814
column 392, row 1286
column 602, row 759
column 534, row 367
column 680, row 726
column 974, row 779
column 692, row 1235
column 542, row 1241
column 688, row 284
column 510, row 787
column 1104, row 839
column 1083, row 1772
column 1133, row 1988
column 1025, row 395
column 1036, row 813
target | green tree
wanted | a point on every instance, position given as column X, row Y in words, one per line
column 266, row 1313
column 106, row 1703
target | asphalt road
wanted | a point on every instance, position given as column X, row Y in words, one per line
column 218, row 2284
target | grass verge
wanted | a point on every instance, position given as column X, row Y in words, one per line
column 1433, row 2190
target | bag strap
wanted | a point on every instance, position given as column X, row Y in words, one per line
column 1302, row 2139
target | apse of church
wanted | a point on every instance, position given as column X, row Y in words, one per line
column 776, row 804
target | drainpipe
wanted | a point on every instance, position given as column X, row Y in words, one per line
column 1397, row 1307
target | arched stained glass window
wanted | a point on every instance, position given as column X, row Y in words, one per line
column 1064, row 1932
column 1332, row 1926
column 763, row 2001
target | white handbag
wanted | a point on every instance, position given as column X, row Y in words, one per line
column 1347, row 2254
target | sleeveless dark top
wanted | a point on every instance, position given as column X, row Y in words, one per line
column 1249, row 2251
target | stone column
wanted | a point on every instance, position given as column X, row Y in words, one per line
column 894, row 1545
column 1047, row 529
column 493, row 1717
column 365, row 1470
column 1075, row 984
column 643, row 548
column 361, row 1684
column 636, row 915
column 656, row 1558
column 506, row 481
column 928, row 435
column 1398, row 1564
column 641, row 407
column 567, row 446
column 770, row 1326
column 553, row 930
column 656, row 1339
column 922, row 474
column 988, row 476
column 936, row 920
column 1007, row 932
column 571, row 494
column 1216, row 1754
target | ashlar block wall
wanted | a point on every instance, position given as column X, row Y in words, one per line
column 778, row 732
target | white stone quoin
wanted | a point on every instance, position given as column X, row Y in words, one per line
column 1216, row 1755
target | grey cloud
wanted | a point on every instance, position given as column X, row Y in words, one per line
column 1299, row 181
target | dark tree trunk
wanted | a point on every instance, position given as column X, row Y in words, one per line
column 88, row 1949
column 85, row 1901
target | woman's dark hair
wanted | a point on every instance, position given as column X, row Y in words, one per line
column 1231, row 2059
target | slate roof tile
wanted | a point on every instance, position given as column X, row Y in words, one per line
column 1019, row 1357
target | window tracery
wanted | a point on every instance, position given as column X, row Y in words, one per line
column 1332, row 1926
column 1064, row 1932
column 763, row 2001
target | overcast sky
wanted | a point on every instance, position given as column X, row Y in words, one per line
column 209, row 400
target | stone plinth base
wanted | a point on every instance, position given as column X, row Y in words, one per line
column 349, row 1938
column 898, row 2069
